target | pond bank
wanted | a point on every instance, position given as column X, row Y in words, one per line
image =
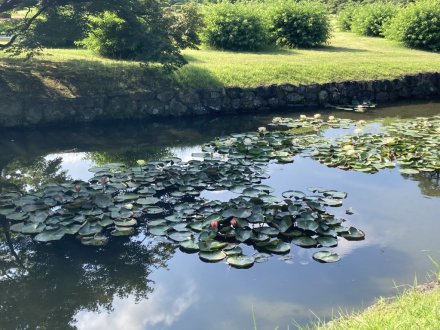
column 23, row 109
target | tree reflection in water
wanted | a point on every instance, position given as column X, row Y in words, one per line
column 44, row 286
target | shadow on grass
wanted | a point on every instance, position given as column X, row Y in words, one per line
column 74, row 77
column 196, row 77
column 333, row 49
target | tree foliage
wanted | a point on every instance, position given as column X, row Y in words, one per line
column 160, row 31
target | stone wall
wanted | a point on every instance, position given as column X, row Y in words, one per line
column 29, row 110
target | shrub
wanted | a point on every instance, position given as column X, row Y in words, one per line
column 187, row 25
column 417, row 25
column 371, row 19
column 147, row 39
column 299, row 24
column 345, row 16
column 234, row 26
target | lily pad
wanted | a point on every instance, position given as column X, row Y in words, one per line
column 326, row 256
column 240, row 261
column 214, row 256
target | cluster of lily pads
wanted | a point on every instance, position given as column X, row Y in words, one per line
column 164, row 196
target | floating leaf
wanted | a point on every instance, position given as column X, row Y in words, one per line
column 326, row 256
column 50, row 235
column 214, row 256
column 304, row 241
column 240, row 261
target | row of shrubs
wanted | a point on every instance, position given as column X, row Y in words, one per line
column 229, row 25
column 416, row 25
column 252, row 26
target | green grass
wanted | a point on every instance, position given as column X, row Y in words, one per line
column 414, row 309
column 347, row 57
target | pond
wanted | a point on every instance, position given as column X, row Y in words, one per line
column 147, row 282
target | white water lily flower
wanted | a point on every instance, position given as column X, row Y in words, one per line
column 247, row 142
column 276, row 120
column 262, row 129
column 350, row 152
column 233, row 140
column 348, row 147
column 128, row 206
column 141, row 162
column 228, row 143
column 317, row 116
column 389, row 141
column 303, row 117
column 358, row 131
column 331, row 118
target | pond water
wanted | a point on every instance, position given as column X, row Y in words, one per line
column 146, row 283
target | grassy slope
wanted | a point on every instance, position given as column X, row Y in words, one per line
column 414, row 309
column 348, row 57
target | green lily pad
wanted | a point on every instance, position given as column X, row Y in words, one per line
column 353, row 234
column 304, row 241
column 189, row 246
column 326, row 256
column 50, row 235
column 327, row 241
column 214, row 256
column 240, row 261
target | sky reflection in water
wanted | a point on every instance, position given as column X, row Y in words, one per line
column 398, row 214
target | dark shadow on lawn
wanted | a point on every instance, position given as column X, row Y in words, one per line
column 73, row 78
column 333, row 49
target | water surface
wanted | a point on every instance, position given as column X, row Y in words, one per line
column 145, row 283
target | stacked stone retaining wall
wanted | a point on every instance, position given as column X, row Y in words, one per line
column 19, row 110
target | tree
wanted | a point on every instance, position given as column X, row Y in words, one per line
column 149, row 30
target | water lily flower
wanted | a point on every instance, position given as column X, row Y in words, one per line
column 317, row 116
column 350, row 152
column 77, row 187
column 234, row 222
column 228, row 143
column 330, row 118
column 214, row 224
column 233, row 140
column 276, row 120
column 129, row 206
column 358, row 131
column 303, row 117
column 247, row 142
column 348, row 147
column 262, row 130
column 141, row 162
column 389, row 141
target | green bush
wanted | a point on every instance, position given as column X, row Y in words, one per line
column 187, row 23
column 299, row 24
column 234, row 26
column 371, row 19
column 417, row 25
column 146, row 39
column 345, row 16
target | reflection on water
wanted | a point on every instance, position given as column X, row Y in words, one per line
column 139, row 284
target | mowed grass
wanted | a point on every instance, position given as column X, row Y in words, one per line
column 347, row 57
column 415, row 309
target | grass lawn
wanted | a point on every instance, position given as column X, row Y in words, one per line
column 347, row 57
column 414, row 309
